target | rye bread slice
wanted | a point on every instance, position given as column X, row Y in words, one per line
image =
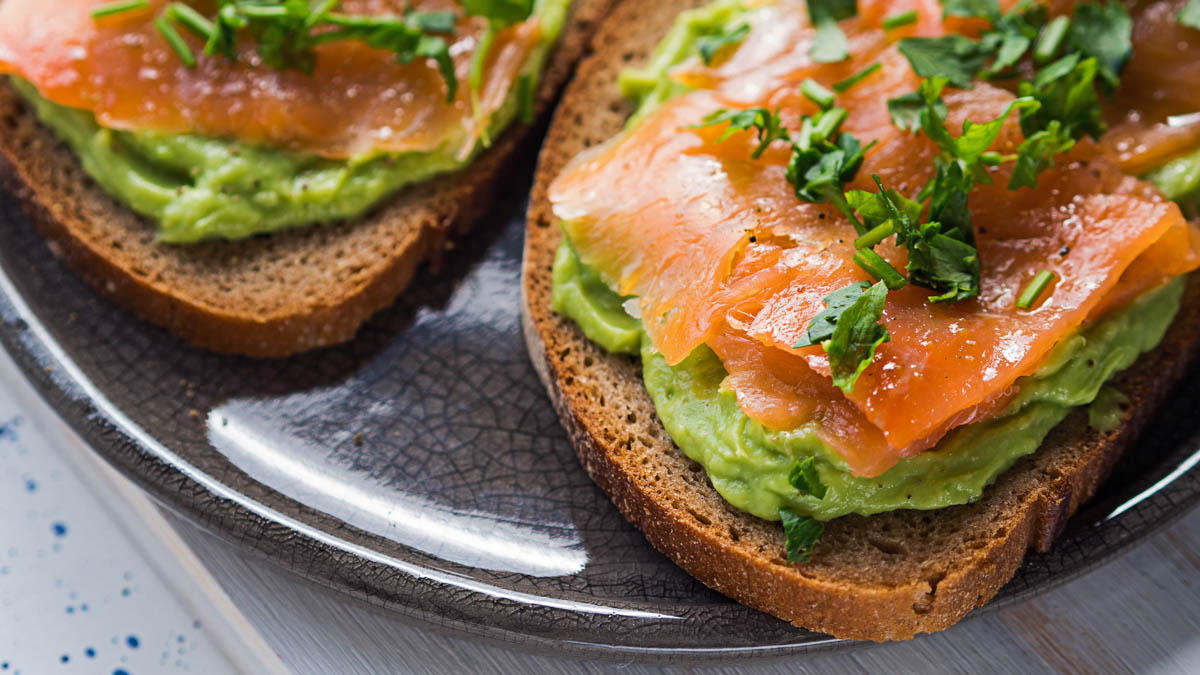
column 268, row 296
column 886, row 577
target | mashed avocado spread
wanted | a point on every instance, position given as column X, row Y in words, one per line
column 748, row 463
column 199, row 188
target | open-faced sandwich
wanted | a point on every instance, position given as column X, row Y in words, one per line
column 260, row 176
column 847, row 305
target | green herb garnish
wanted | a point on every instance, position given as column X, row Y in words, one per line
column 829, row 43
column 113, row 8
column 844, row 85
column 190, row 19
column 1034, row 290
column 175, row 41
column 1189, row 14
column 525, row 98
column 1103, row 32
column 905, row 110
column 849, row 329
column 817, row 94
column 954, row 57
column 803, row 533
column 287, row 32
column 804, row 477
column 1051, row 40
column 766, row 124
column 900, row 20
column 710, row 45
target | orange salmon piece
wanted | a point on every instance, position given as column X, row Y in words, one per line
column 357, row 101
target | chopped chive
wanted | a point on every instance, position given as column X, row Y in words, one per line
column 872, row 238
column 830, row 122
column 175, row 41
column 817, row 94
column 1034, row 290
column 880, row 269
column 841, row 87
column 190, row 19
column 899, row 20
column 257, row 12
column 1050, row 40
column 112, row 8
column 525, row 98
column 318, row 15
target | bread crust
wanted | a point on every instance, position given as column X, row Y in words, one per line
column 269, row 296
column 886, row 577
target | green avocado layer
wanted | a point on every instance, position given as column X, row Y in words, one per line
column 748, row 464
column 197, row 188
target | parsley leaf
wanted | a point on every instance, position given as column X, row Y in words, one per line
column 819, row 173
column 1036, row 154
column 905, row 110
column 886, row 206
column 849, row 329
column 767, row 125
column 944, row 263
column 821, row 327
column 947, row 193
column 1011, row 36
column 829, row 43
column 1105, row 33
column 957, row 58
column 804, row 477
column 709, row 45
column 1065, row 91
column 803, row 533
column 1189, row 14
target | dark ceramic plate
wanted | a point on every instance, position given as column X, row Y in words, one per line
column 422, row 468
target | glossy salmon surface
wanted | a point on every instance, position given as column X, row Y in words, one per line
column 720, row 252
column 357, row 100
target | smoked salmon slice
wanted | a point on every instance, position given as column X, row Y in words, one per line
column 720, row 252
column 357, row 101
column 1159, row 81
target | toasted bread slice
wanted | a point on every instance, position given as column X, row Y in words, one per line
column 886, row 577
column 267, row 296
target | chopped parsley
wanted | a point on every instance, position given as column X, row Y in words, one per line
column 710, row 45
column 954, row 57
column 804, row 477
column 1189, row 14
column 849, row 329
column 766, row 124
column 287, row 32
column 1100, row 31
column 803, row 533
column 1103, row 32
column 829, row 42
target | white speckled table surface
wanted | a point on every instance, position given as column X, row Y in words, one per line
column 88, row 585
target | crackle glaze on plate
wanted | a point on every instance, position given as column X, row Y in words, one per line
column 421, row 467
